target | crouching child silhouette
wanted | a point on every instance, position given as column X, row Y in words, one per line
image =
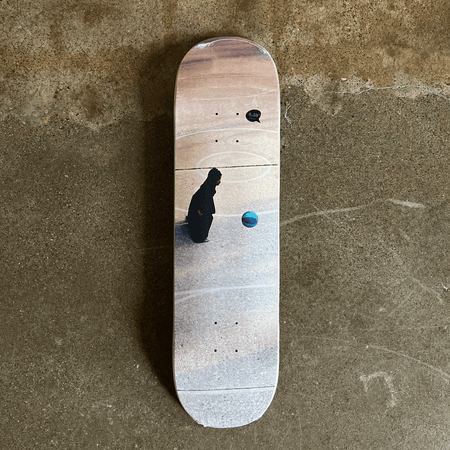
column 201, row 208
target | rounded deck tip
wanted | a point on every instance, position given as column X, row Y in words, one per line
column 227, row 408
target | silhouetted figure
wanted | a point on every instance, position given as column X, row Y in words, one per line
column 201, row 208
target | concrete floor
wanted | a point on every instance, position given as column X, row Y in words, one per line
column 86, row 216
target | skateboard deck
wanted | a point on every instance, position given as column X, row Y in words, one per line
column 226, row 276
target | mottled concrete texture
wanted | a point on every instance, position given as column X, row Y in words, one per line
column 86, row 209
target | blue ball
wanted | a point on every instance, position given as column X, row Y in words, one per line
column 249, row 219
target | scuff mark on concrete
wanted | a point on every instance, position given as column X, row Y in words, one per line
column 388, row 379
column 406, row 203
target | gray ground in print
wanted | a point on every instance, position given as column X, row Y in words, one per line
column 234, row 254
column 250, row 298
column 221, row 331
column 226, row 409
column 257, row 370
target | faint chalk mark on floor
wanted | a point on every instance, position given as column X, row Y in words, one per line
column 405, row 203
column 340, row 210
column 285, row 114
column 411, row 276
column 406, row 328
column 320, row 213
column 426, row 288
column 388, row 379
column 327, row 213
column 445, row 375
column 401, row 303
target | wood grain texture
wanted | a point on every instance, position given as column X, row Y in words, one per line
column 222, row 77
column 226, row 319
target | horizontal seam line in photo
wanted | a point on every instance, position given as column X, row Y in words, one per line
column 234, row 129
column 226, row 389
column 228, row 167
